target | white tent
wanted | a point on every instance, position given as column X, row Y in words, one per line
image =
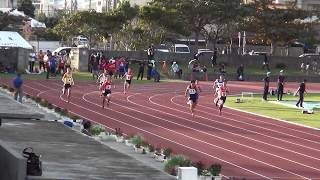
column 13, row 39
column 34, row 23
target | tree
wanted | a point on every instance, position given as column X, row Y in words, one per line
column 9, row 22
column 224, row 20
column 273, row 25
column 27, row 7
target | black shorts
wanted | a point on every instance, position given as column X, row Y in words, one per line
column 193, row 98
column 128, row 81
column 67, row 86
column 110, row 73
column 106, row 92
column 223, row 98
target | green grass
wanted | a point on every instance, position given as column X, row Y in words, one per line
column 256, row 105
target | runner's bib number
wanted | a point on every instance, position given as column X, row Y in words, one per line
column 108, row 87
column 192, row 91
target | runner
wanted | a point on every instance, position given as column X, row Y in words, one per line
column 105, row 89
column 102, row 77
column 67, row 83
column 193, row 92
column 218, row 83
column 222, row 96
column 128, row 75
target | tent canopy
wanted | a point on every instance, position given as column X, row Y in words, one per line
column 14, row 12
column 13, row 39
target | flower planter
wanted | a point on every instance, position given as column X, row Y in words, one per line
column 160, row 158
column 205, row 178
column 128, row 143
column 138, row 150
column 120, row 139
column 217, row 177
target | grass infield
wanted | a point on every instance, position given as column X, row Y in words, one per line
column 278, row 111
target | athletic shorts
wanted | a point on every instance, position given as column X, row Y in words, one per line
column 223, row 98
column 193, row 98
column 106, row 92
column 67, row 86
column 128, row 81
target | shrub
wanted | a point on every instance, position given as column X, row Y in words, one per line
column 86, row 124
column 151, row 148
column 50, row 106
column 33, row 98
column 215, row 169
column 175, row 162
column 64, row 112
column 167, row 152
column 73, row 117
column 96, row 129
column 281, row 66
column 137, row 141
column 200, row 166
column 57, row 109
column 11, row 89
column 144, row 144
column 118, row 132
column 38, row 99
column 44, row 103
column 28, row 96
column 5, row 86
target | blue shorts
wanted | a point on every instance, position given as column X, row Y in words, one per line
column 193, row 97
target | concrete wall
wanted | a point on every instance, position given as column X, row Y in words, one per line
column 230, row 60
column 79, row 59
column 13, row 166
column 45, row 45
column 17, row 57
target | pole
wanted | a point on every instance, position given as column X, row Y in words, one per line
column 239, row 37
column 244, row 43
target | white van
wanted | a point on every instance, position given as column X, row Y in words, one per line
column 80, row 41
column 180, row 48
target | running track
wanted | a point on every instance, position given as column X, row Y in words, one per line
column 248, row 146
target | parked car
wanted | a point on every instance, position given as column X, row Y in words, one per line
column 62, row 50
column 203, row 51
column 309, row 55
column 180, row 48
column 162, row 48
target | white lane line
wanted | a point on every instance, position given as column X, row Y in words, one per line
column 246, row 124
column 84, row 98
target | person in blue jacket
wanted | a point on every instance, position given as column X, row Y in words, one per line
column 17, row 84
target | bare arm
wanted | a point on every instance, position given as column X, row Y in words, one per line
column 186, row 92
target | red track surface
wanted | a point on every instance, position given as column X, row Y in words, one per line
column 247, row 145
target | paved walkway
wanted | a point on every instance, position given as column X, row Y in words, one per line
column 67, row 154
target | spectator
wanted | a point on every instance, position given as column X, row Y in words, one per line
column 240, row 72
column 265, row 63
column 214, row 57
column 302, row 67
column 41, row 60
column 150, row 52
column 266, row 81
column 32, row 60
column 222, row 69
column 155, row 74
column 175, row 69
column 141, row 70
column 53, row 64
column 95, row 69
column 121, row 67
column 314, row 66
column 281, row 79
column 149, row 69
column 205, row 73
column 307, row 68
column 17, row 84
column 61, row 63
column 165, row 69
column 301, row 90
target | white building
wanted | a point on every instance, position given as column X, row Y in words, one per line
column 8, row 3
